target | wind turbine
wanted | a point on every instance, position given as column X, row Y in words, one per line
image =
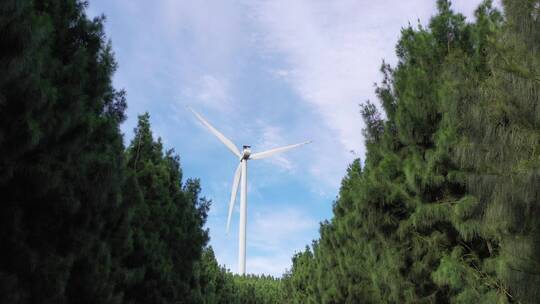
column 240, row 176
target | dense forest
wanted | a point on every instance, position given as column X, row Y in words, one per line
column 444, row 207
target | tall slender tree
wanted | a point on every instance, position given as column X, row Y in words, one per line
column 410, row 226
column 500, row 154
column 167, row 224
column 60, row 153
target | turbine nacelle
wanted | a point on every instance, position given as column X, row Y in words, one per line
column 246, row 152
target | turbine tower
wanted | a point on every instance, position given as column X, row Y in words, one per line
column 240, row 176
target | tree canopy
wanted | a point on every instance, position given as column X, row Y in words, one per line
column 445, row 207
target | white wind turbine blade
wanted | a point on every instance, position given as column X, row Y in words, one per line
column 276, row 150
column 236, row 181
column 218, row 134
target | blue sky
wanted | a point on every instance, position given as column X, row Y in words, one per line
column 265, row 73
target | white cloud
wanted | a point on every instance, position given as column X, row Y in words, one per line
column 270, row 138
column 213, row 31
column 209, row 91
column 273, row 265
column 273, row 237
column 276, row 234
column 333, row 51
column 272, row 229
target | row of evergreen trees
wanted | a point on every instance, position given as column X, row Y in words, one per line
column 83, row 219
column 446, row 207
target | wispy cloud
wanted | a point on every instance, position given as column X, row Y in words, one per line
column 274, row 235
column 273, row 265
column 273, row 228
column 271, row 137
column 277, row 235
column 327, row 55
column 209, row 91
column 332, row 52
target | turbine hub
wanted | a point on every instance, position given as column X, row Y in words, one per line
column 246, row 152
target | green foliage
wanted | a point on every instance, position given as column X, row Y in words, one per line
column 216, row 284
column 82, row 220
column 62, row 217
column 253, row 289
column 444, row 208
column 500, row 152
column 167, row 224
column 213, row 284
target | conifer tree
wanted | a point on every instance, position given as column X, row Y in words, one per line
column 61, row 156
column 167, row 223
column 499, row 154
column 404, row 227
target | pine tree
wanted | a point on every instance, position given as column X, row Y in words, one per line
column 499, row 152
column 167, row 224
column 60, row 154
column 405, row 228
